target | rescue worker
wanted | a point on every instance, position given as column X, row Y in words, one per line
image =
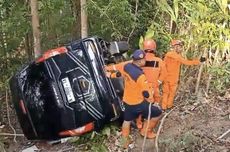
column 154, row 68
column 173, row 60
column 136, row 94
column 154, row 71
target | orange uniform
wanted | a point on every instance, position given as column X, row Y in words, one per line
column 135, row 83
column 173, row 60
column 155, row 71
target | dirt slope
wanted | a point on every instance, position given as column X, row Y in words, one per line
column 194, row 125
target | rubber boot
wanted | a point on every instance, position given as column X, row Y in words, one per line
column 125, row 137
column 139, row 123
column 150, row 133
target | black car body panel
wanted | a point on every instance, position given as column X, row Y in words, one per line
column 65, row 92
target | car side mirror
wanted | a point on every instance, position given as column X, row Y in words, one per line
column 118, row 47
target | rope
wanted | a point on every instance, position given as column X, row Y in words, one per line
column 149, row 114
column 159, row 130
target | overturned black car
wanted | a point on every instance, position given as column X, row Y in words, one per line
column 66, row 92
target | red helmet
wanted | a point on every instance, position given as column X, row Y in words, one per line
column 176, row 42
column 149, row 44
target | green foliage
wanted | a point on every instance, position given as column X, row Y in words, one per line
column 96, row 141
column 57, row 23
column 120, row 19
column 9, row 66
column 186, row 142
column 161, row 38
column 173, row 10
column 14, row 24
column 110, row 18
column 148, row 35
column 202, row 24
column 221, row 79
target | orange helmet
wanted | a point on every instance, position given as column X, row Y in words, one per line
column 176, row 42
column 149, row 44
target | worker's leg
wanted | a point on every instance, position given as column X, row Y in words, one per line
column 165, row 95
column 131, row 113
column 125, row 134
column 172, row 89
column 156, row 94
column 139, row 123
column 154, row 118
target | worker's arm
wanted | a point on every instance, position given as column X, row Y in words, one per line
column 113, row 67
column 117, row 67
column 113, row 74
column 188, row 62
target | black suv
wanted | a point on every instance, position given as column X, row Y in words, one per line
column 66, row 92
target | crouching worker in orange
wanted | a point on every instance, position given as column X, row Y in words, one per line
column 173, row 60
column 136, row 94
column 154, row 71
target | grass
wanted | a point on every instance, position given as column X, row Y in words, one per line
column 186, row 142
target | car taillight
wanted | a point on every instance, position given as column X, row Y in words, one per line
column 78, row 131
column 21, row 103
column 51, row 53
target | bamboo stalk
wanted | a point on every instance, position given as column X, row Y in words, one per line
column 208, row 83
column 9, row 134
column 198, row 78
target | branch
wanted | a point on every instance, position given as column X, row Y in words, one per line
column 107, row 16
column 208, row 83
column 135, row 19
column 200, row 73
column 159, row 130
column 162, row 121
column 67, row 149
column 2, row 97
column 2, row 147
column 224, row 134
column 9, row 134
column 8, row 116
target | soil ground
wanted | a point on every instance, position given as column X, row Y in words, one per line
column 194, row 125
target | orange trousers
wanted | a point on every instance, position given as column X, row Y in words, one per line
column 156, row 94
column 169, row 92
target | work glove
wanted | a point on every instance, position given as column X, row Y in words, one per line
column 145, row 94
column 202, row 59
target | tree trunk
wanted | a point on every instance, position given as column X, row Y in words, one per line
column 76, row 5
column 28, row 46
column 36, row 28
column 84, row 20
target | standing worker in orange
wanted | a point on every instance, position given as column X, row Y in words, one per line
column 154, row 71
column 173, row 60
column 136, row 93
column 154, row 68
